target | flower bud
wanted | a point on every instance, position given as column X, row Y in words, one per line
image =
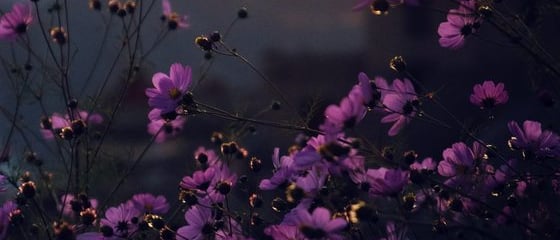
column 398, row 64
column 95, row 4
column 59, row 35
column 28, row 189
column 242, row 13
column 380, row 7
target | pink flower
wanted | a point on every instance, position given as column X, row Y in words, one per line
column 401, row 103
column 169, row 90
column 15, row 22
column 173, row 19
column 460, row 23
column 487, row 95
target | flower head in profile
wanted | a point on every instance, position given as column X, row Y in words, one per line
column 122, row 219
column 533, row 140
column 319, row 224
column 461, row 23
column 15, row 22
column 164, row 129
column 457, row 163
column 148, row 203
column 66, row 127
column 169, row 90
column 488, row 94
column 401, row 103
column 385, row 181
column 174, row 20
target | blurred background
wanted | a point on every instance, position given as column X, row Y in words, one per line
column 312, row 50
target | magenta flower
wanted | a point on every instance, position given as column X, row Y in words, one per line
column 427, row 164
column 7, row 208
column 57, row 122
column 148, row 203
column 457, row 163
column 169, row 90
column 319, row 224
column 170, row 128
column 487, row 95
column 73, row 204
column 386, row 182
column 283, row 231
column 461, row 23
column 122, row 219
column 173, row 19
column 15, row 22
column 401, row 103
column 532, row 139
column 200, row 181
column 203, row 225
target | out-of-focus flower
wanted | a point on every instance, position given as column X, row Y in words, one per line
column 533, row 140
column 401, row 103
column 67, row 127
column 174, row 20
column 73, row 204
column 5, row 213
column 457, row 163
column 319, row 224
column 170, row 127
column 16, row 21
column 122, row 219
column 283, row 231
column 169, row 90
column 488, row 94
column 150, row 204
column 461, row 23
column 385, row 181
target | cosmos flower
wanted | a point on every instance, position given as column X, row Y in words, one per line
column 319, row 224
column 169, row 90
column 200, row 181
column 73, row 204
column 121, row 219
column 457, row 163
column 170, row 127
column 532, row 139
column 385, row 181
column 15, row 22
column 283, row 231
column 283, row 170
column 401, row 103
column 5, row 211
column 487, row 95
column 202, row 224
column 461, row 23
column 173, row 19
column 148, row 203
column 57, row 123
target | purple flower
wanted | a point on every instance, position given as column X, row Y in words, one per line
column 73, row 204
column 148, row 203
column 169, row 90
column 532, row 139
column 283, row 170
column 457, row 162
column 5, row 211
column 57, row 122
column 202, row 225
column 427, row 164
column 200, row 181
column 487, row 95
column 170, row 128
column 319, row 224
column 173, row 19
column 347, row 114
column 121, row 219
column 283, row 231
column 401, row 104
column 15, row 22
column 96, row 236
column 385, row 181
column 460, row 23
